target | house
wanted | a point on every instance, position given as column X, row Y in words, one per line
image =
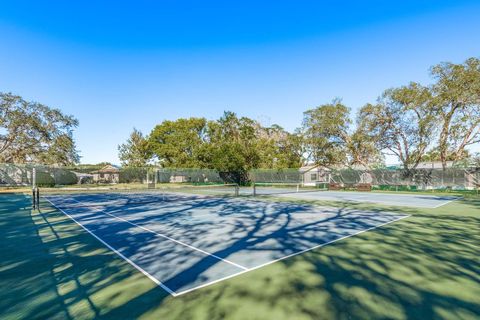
column 314, row 174
column 178, row 178
column 434, row 165
column 108, row 174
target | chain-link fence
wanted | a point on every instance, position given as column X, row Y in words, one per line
column 275, row 175
column 397, row 179
column 14, row 175
column 197, row 176
column 22, row 175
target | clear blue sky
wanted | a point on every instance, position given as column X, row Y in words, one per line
column 116, row 65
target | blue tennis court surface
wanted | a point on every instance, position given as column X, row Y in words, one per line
column 185, row 242
column 408, row 200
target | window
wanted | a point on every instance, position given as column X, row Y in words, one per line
column 101, row 175
column 313, row 177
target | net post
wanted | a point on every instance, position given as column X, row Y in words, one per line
column 237, row 190
column 254, row 189
column 34, row 185
column 38, row 197
column 33, row 199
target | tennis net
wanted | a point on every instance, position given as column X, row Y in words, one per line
column 281, row 188
column 118, row 197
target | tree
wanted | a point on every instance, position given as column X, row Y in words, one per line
column 33, row 132
column 230, row 144
column 361, row 149
column 278, row 148
column 474, row 160
column 433, row 155
column 233, row 145
column 402, row 123
column 325, row 132
column 134, row 152
column 178, row 144
column 457, row 102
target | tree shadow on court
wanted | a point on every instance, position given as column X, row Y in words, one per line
column 424, row 267
column 260, row 222
column 265, row 221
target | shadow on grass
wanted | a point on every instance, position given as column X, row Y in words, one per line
column 51, row 269
column 424, row 267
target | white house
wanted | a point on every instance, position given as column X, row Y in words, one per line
column 314, row 174
column 108, row 174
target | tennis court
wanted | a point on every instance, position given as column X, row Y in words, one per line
column 296, row 191
column 185, row 241
column 408, row 200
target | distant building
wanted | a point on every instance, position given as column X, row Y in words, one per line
column 314, row 174
column 179, row 179
column 425, row 165
column 108, row 174
column 428, row 175
column 434, row 165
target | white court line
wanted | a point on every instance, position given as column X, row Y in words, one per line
column 176, row 294
column 169, row 238
column 155, row 280
column 367, row 198
column 287, row 256
column 440, row 205
column 393, row 194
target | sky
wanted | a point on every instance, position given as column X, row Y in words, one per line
column 116, row 65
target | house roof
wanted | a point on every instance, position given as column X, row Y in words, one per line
column 108, row 169
column 307, row 168
column 433, row 165
column 421, row 165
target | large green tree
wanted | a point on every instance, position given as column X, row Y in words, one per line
column 230, row 144
column 279, row 148
column 456, row 100
column 134, row 152
column 179, row 143
column 362, row 150
column 33, row 132
column 433, row 155
column 330, row 140
column 233, row 145
column 325, row 132
column 402, row 123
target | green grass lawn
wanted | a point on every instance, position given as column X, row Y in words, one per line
column 426, row 266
